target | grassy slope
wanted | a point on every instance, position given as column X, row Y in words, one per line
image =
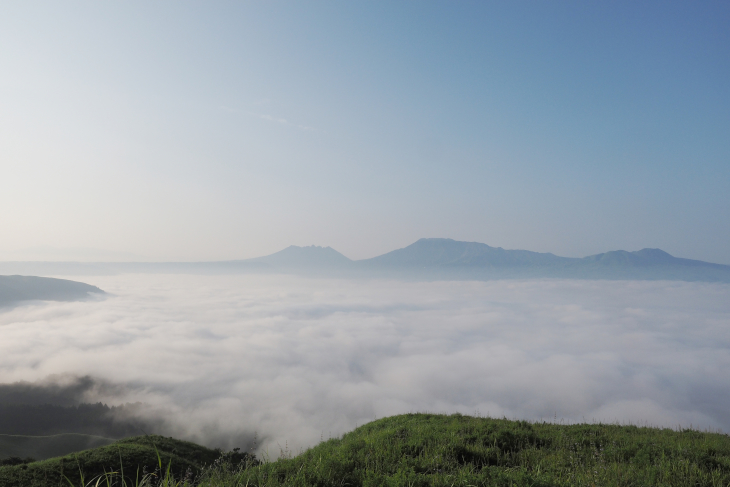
column 135, row 453
column 436, row 450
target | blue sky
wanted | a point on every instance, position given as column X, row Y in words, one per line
column 220, row 130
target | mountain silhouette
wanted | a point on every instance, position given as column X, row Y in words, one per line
column 23, row 288
column 645, row 257
column 427, row 258
column 443, row 258
column 429, row 252
column 304, row 257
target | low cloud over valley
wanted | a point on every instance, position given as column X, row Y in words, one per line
column 219, row 359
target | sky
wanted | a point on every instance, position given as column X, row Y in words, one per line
column 227, row 130
column 292, row 360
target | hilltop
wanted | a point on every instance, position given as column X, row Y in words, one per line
column 136, row 455
column 14, row 289
column 312, row 257
column 432, row 252
column 440, row 450
column 431, row 450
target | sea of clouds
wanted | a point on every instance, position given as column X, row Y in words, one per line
column 219, row 359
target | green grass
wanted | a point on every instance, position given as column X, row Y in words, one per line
column 436, row 450
column 136, row 455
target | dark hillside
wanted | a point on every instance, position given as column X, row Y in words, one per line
column 45, row 431
column 49, row 418
column 22, row 288
column 49, row 446
column 137, row 454
column 91, row 419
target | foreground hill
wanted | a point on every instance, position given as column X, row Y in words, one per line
column 136, row 455
column 439, row 450
column 21, row 288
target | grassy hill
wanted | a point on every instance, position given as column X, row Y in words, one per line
column 438, row 450
column 138, row 454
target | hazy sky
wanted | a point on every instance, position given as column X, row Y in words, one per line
column 220, row 130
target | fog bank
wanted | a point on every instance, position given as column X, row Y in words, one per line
column 290, row 359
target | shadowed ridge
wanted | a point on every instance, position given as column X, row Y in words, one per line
column 432, row 252
column 136, row 454
column 48, row 446
column 22, row 288
column 305, row 257
column 645, row 258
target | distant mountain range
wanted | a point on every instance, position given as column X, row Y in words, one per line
column 444, row 258
column 444, row 252
column 428, row 258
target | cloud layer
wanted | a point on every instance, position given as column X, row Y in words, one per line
column 295, row 359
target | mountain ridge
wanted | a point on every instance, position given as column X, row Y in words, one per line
column 429, row 259
column 17, row 288
column 311, row 256
column 446, row 251
column 444, row 258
